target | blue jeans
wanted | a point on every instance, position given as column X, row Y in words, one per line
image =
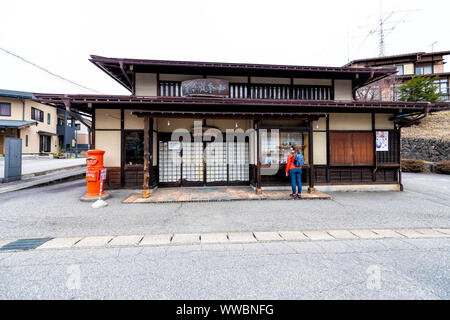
column 296, row 175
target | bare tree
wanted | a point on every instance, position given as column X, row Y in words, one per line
column 381, row 90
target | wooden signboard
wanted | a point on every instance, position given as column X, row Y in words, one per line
column 205, row 88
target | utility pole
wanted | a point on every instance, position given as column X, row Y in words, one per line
column 381, row 45
column 432, row 46
column 380, row 29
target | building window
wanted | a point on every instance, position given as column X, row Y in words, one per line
column 5, row 109
column 134, row 147
column 26, row 140
column 259, row 91
column 395, row 92
column 351, row 148
column 37, row 114
column 275, row 150
column 424, row 70
column 170, row 88
column 48, row 118
column 60, row 122
column 276, row 91
column 69, row 122
column 400, row 70
column 44, row 143
column 442, row 87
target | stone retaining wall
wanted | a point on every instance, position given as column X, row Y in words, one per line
column 425, row 149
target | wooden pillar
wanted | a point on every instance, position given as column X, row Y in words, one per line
column 93, row 129
column 400, row 159
column 147, row 164
column 258, row 160
column 328, row 147
column 152, row 176
column 311, row 158
column 374, row 150
column 122, row 147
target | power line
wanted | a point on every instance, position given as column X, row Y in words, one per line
column 48, row 71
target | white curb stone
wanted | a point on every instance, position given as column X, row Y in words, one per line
column 293, row 236
column 186, row 238
column 410, row 233
column 60, row 243
column 125, row 240
column 241, row 237
column 93, row 242
column 238, row 237
column 342, row 234
column 156, row 239
column 267, row 236
column 318, row 235
column 432, row 233
column 446, row 231
column 387, row 233
column 214, row 238
column 366, row 234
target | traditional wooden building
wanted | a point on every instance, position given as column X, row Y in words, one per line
column 408, row 65
column 345, row 142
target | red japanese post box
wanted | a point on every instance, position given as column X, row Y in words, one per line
column 94, row 165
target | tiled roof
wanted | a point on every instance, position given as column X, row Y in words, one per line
column 16, row 94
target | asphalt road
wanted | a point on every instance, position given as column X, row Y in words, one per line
column 356, row 269
column 55, row 210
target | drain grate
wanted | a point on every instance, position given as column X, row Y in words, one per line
column 25, row 244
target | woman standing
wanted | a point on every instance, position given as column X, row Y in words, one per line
column 295, row 171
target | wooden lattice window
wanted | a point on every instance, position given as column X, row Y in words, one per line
column 392, row 156
column 170, row 88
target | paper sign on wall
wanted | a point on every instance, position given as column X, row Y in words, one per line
column 174, row 145
column 382, row 140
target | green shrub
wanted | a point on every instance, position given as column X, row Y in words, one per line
column 413, row 165
column 443, row 167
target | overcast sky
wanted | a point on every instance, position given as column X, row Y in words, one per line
column 60, row 35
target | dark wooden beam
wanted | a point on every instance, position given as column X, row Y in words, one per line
column 328, row 147
column 400, row 159
column 311, row 158
column 152, row 177
column 258, row 159
column 122, row 147
column 374, row 150
column 93, row 129
column 147, row 164
column 130, row 83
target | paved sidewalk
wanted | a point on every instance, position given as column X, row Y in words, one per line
column 210, row 194
column 61, row 174
column 218, row 238
column 34, row 166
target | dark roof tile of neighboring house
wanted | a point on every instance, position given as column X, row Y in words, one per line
column 398, row 56
column 46, row 133
column 16, row 94
column 16, row 124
